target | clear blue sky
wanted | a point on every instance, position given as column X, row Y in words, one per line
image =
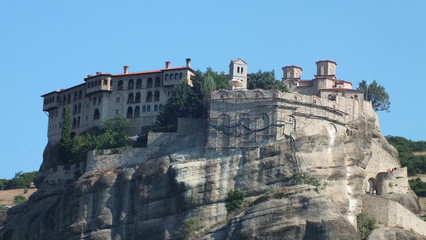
column 49, row 45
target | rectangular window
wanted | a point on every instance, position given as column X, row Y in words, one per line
column 117, row 99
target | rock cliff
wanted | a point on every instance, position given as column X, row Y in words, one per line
column 153, row 196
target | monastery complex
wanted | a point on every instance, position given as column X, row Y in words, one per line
column 138, row 96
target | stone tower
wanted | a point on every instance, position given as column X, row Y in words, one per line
column 238, row 74
column 291, row 76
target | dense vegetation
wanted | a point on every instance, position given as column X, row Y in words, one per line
column 20, row 180
column 418, row 186
column 416, row 164
column 265, row 80
column 234, row 200
column 365, row 224
column 376, row 94
column 187, row 101
column 112, row 134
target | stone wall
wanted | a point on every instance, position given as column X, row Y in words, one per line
column 392, row 182
column 254, row 117
column 393, row 214
column 63, row 173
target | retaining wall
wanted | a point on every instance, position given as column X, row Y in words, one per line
column 392, row 214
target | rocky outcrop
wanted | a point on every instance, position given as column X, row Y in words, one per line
column 152, row 197
column 387, row 233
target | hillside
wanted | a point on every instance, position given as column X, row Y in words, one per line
column 6, row 196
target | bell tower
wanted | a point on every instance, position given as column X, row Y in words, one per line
column 238, row 74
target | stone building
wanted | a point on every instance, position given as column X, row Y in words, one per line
column 136, row 95
column 324, row 85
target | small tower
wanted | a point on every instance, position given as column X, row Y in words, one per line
column 326, row 68
column 238, row 74
column 291, row 76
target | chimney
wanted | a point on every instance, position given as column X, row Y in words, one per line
column 168, row 64
column 126, row 69
column 188, row 62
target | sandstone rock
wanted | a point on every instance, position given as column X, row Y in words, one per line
column 151, row 196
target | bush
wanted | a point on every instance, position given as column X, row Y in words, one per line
column 234, row 200
column 190, row 226
column 366, row 225
column 18, row 199
column 3, row 208
column 306, row 178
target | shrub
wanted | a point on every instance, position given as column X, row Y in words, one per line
column 190, row 226
column 3, row 208
column 234, row 200
column 18, row 199
column 306, row 178
column 366, row 224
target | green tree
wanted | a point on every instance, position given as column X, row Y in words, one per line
column 20, row 180
column 265, row 80
column 376, row 94
column 65, row 143
column 415, row 163
column 183, row 102
column 234, row 200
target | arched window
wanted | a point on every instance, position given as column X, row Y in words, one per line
column 176, row 76
column 74, row 122
column 148, row 108
column 180, row 75
column 155, row 108
column 160, row 107
column 149, row 83
column 130, row 98
column 156, row 96
column 120, row 85
column 138, row 97
column 238, row 69
column 78, row 122
column 166, row 77
column 79, row 108
column 96, row 114
column 157, row 82
column 356, row 97
column 242, row 69
column 131, row 84
column 143, row 108
column 129, row 112
column 139, row 83
column 137, row 111
column 149, row 97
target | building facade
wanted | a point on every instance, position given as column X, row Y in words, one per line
column 324, row 85
column 137, row 96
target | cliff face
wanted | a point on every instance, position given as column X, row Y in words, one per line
column 154, row 197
